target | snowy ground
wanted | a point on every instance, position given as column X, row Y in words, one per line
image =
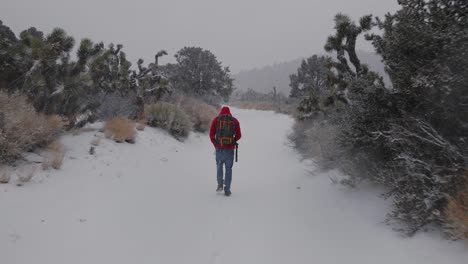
column 155, row 202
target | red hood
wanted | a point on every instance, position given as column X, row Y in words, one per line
column 225, row 111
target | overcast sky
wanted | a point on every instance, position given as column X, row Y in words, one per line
column 243, row 34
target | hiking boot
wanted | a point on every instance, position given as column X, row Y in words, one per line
column 227, row 192
column 220, row 188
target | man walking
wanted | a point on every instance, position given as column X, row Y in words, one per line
column 224, row 133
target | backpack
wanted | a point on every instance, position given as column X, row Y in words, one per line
column 225, row 130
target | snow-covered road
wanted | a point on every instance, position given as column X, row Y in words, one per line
column 155, row 202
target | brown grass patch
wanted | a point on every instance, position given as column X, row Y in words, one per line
column 4, row 176
column 120, row 129
column 457, row 215
column 201, row 114
column 170, row 118
column 54, row 155
column 22, row 128
column 57, row 151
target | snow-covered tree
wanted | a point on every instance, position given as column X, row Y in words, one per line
column 39, row 66
column 199, row 72
column 8, row 69
column 411, row 138
column 424, row 46
column 343, row 43
column 312, row 75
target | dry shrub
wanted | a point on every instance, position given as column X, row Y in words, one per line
column 54, row 155
column 201, row 114
column 4, row 176
column 167, row 116
column 120, row 129
column 317, row 140
column 457, row 214
column 57, row 151
column 22, row 128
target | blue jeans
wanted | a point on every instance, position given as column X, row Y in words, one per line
column 226, row 157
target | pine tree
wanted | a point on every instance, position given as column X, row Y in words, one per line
column 199, row 73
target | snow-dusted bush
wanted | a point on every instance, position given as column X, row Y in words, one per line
column 405, row 153
column 311, row 76
column 169, row 117
column 309, row 106
column 201, row 114
column 99, row 83
column 198, row 72
column 418, row 166
column 317, row 139
column 415, row 135
column 22, row 128
column 412, row 138
column 120, row 129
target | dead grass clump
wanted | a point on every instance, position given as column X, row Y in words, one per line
column 169, row 117
column 4, row 177
column 317, row 140
column 22, row 128
column 201, row 114
column 120, row 129
column 457, row 214
column 54, row 155
column 57, row 151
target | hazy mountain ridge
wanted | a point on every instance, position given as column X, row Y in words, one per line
column 263, row 79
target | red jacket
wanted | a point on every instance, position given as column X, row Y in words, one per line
column 224, row 111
